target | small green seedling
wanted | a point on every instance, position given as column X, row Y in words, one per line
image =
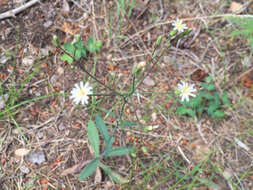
column 74, row 50
column 77, row 49
column 208, row 100
column 110, row 151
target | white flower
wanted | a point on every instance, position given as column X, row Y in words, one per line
column 186, row 90
column 179, row 26
column 80, row 93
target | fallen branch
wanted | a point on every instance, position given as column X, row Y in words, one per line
column 12, row 13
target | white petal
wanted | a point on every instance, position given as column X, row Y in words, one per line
column 193, row 95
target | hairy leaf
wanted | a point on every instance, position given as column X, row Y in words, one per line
column 119, row 151
column 93, row 137
column 102, row 128
column 89, row 169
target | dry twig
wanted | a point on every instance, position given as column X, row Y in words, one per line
column 12, row 13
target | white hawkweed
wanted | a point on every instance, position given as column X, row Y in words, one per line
column 186, row 90
column 80, row 93
column 179, row 26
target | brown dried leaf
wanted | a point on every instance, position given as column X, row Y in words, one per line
column 199, row 75
column 75, row 168
column 70, row 29
column 98, row 176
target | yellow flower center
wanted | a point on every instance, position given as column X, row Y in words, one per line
column 179, row 25
column 185, row 90
column 82, row 92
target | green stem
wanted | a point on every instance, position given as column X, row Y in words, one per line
column 90, row 75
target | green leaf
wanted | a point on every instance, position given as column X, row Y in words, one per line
column 212, row 107
column 173, row 33
column 159, row 39
column 119, row 151
column 89, row 169
column 81, row 48
column 206, row 95
column 102, row 128
column 210, row 87
column 67, row 58
column 128, row 123
column 69, row 48
column 109, row 145
column 207, row 86
column 191, row 112
column 208, row 79
column 250, row 39
column 91, row 47
column 83, row 52
column 117, row 178
column 98, row 45
column 195, row 102
column 78, row 54
column 93, row 137
column 219, row 113
column 181, row 110
column 79, row 44
column 56, row 41
column 225, row 99
column 216, row 99
column 200, row 110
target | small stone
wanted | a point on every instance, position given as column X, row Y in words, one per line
column 36, row 157
column 148, row 81
column 48, row 24
column 28, row 61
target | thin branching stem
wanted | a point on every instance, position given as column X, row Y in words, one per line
column 90, row 75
